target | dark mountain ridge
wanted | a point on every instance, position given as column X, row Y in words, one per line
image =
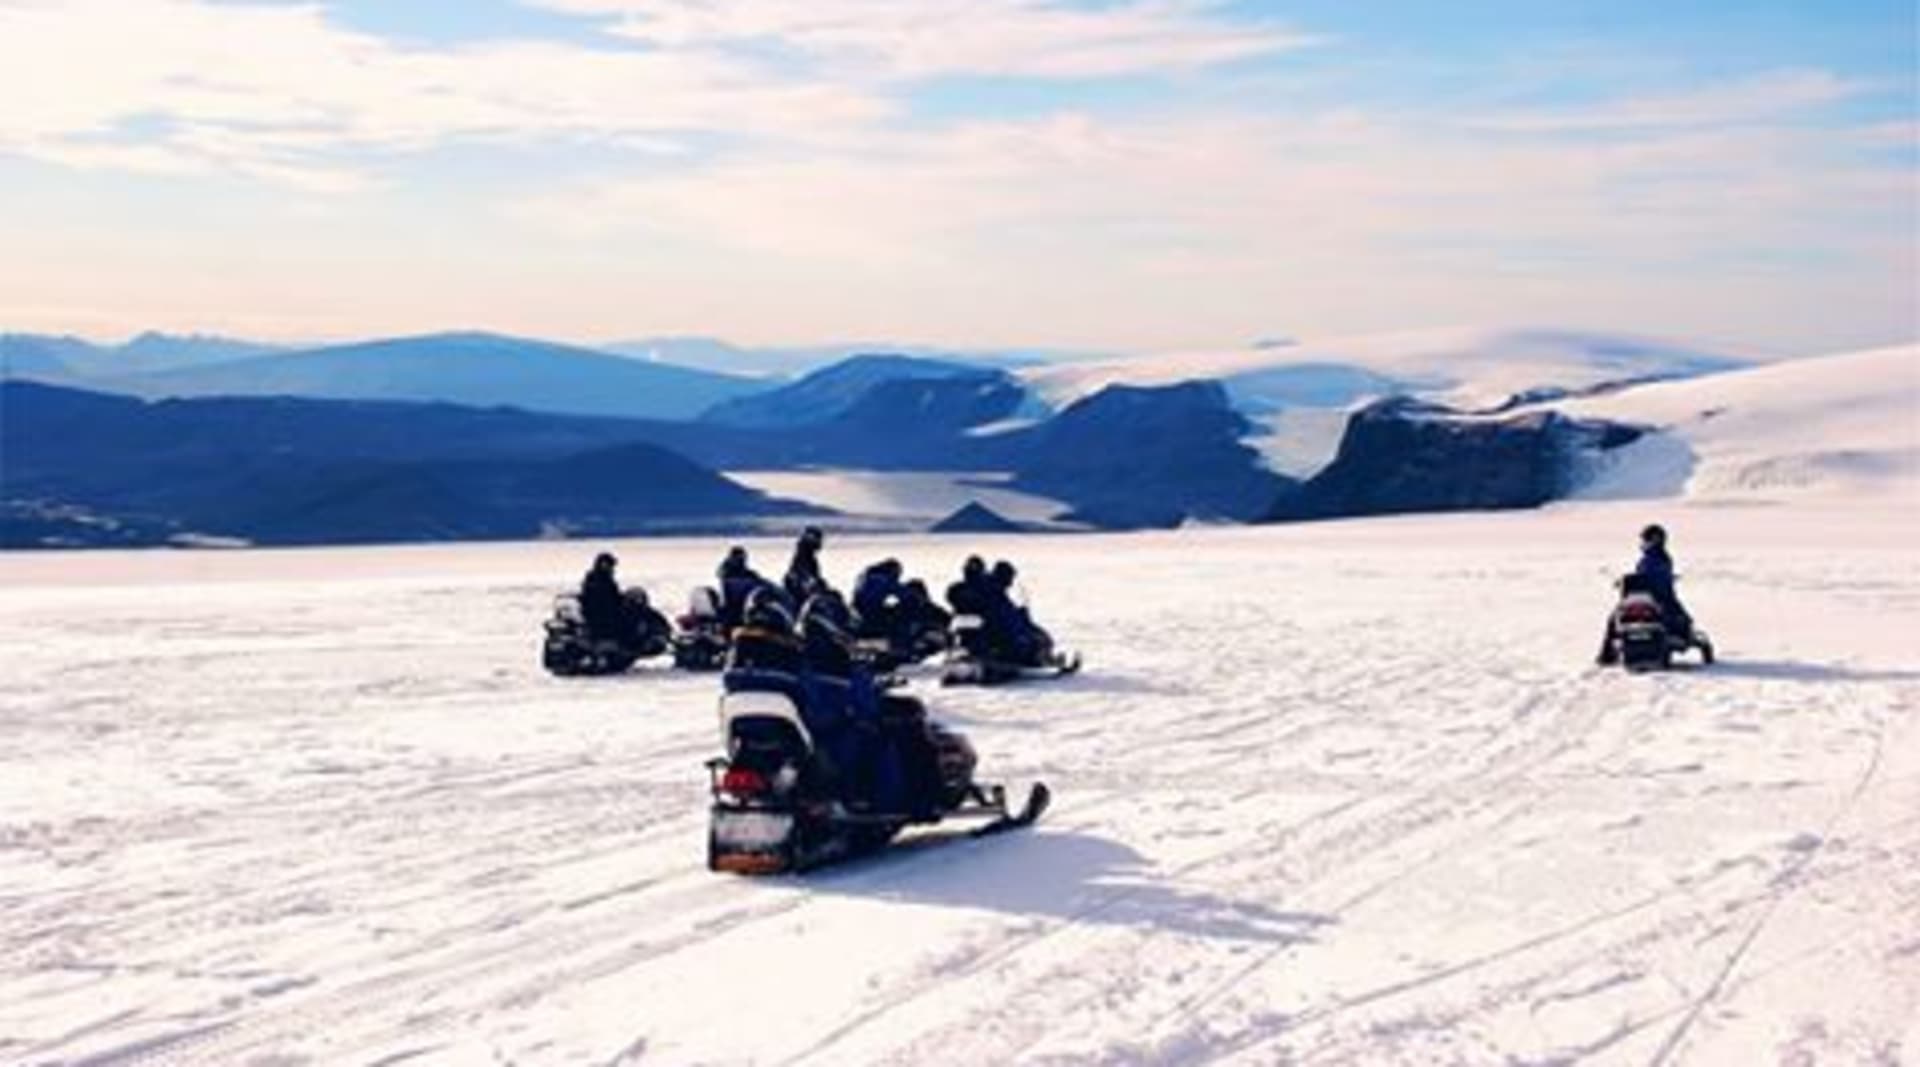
column 296, row 471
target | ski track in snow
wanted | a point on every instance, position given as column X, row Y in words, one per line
column 1346, row 793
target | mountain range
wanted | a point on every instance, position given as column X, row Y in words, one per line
column 451, row 439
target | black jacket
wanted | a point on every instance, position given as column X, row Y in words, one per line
column 601, row 603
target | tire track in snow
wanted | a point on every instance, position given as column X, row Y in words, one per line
column 1008, row 949
column 1787, row 882
column 1495, row 784
column 1427, row 808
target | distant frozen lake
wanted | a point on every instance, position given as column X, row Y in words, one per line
column 906, row 499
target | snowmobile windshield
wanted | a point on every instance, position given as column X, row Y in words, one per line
column 703, row 603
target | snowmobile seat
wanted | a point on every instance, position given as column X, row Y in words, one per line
column 740, row 707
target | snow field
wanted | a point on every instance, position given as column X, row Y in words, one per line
column 1327, row 794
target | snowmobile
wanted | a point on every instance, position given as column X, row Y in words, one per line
column 798, row 789
column 891, row 653
column 701, row 643
column 1641, row 638
column 975, row 656
column 572, row 648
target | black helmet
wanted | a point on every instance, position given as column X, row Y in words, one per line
column 974, row 567
column 1004, row 573
column 637, row 597
column 765, row 610
column 812, row 537
column 604, row 561
column 1654, row 534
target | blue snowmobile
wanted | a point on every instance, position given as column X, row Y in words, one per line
column 823, row 763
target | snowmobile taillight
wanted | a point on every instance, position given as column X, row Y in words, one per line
column 1639, row 613
column 743, row 782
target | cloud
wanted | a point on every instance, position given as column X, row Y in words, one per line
column 282, row 93
column 1276, row 186
column 1165, row 228
column 1764, row 99
column 910, row 39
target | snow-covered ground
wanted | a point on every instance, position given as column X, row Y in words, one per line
column 1328, row 794
column 901, row 500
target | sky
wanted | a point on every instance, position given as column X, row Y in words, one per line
column 1124, row 175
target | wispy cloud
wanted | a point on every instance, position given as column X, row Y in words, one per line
column 1094, row 223
column 1286, row 188
column 1768, row 98
column 924, row 38
column 284, row 92
column 281, row 92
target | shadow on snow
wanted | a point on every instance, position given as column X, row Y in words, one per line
column 1073, row 877
column 1789, row 671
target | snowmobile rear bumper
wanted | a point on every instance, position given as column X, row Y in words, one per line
column 752, row 841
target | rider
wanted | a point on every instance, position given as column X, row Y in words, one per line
column 968, row 596
column 889, row 753
column 876, row 599
column 738, row 582
column 918, row 614
column 765, row 640
column 1654, row 573
column 601, row 604
column 826, row 633
column 1013, row 624
column 803, row 573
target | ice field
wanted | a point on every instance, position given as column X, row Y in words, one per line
column 1330, row 794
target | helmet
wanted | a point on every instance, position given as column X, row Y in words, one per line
column 826, row 611
column 974, row 567
column 1004, row 573
column 604, row 561
column 766, row 611
column 1654, row 534
column 637, row 597
column 812, row 537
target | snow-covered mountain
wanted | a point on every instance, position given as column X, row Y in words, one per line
column 1298, row 394
column 1466, row 368
column 792, row 361
column 829, row 392
column 1832, row 424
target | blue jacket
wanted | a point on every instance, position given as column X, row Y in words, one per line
column 872, row 592
column 1656, row 569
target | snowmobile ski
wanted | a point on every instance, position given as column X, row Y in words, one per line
column 970, row 671
column 1038, row 799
